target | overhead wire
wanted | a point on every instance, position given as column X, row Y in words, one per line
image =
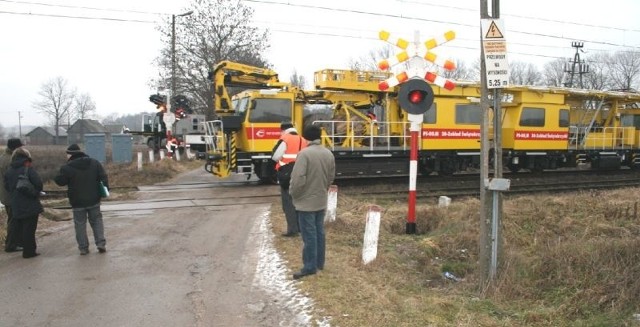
column 79, row 17
column 84, row 7
column 318, row 7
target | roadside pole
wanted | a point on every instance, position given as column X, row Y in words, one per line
column 494, row 76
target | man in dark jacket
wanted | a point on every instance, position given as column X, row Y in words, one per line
column 13, row 242
column 26, row 206
column 82, row 174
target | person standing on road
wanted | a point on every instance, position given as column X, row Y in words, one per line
column 25, row 206
column 13, row 241
column 284, row 154
column 312, row 175
column 82, row 175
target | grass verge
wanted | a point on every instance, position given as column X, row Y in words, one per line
column 568, row 260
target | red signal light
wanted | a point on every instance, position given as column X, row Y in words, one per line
column 416, row 96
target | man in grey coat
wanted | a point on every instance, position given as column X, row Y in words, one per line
column 312, row 175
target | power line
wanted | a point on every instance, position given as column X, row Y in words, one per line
column 526, row 17
column 450, row 23
column 80, row 17
column 316, row 26
column 82, row 7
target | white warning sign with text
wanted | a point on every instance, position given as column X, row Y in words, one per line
column 495, row 53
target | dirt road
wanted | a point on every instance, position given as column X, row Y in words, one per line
column 194, row 254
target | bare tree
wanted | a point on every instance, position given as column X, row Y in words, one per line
column 553, row 73
column 369, row 62
column 461, row 73
column 522, row 73
column 624, row 68
column 84, row 106
column 56, row 99
column 217, row 30
column 297, row 80
column 598, row 77
column 475, row 70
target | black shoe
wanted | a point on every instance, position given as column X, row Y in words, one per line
column 289, row 234
column 102, row 249
column 301, row 274
column 84, row 251
column 16, row 249
column 27, row 256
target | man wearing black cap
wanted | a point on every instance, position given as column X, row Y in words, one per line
column 312, row 175
column 12, row 242
column 284, row 154
column 82, row 175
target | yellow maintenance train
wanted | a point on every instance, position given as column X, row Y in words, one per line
column 367, row 131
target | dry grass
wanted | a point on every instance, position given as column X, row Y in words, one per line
column 568, row 260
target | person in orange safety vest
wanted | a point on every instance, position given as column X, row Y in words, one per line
column 284, row 154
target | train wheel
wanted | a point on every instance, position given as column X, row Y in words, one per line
column 537, row 168
column 424, row 170
column 446, row 170
column 514, row 168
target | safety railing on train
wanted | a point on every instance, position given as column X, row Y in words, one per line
column 603, row 138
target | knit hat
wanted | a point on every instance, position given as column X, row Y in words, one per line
column 285, row 125
column 14, row 143
column 73, row 148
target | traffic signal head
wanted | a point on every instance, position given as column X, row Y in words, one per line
column 158, row 99
column 415, row 96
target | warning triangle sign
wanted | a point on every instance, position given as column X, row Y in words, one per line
column 494, row 32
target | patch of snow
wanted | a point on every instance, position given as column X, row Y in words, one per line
column 272, row 276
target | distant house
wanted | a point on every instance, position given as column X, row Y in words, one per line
column 45, row 135
column 81, row 127
column 113, row 129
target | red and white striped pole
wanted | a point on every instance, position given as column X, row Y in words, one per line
column 414, row 128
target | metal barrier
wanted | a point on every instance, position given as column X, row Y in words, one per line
column 602, row 138
column 344, row 135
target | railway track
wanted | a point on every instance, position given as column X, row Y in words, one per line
column 431, row 186
column 469, row 185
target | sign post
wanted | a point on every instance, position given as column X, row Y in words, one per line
column 494, row 46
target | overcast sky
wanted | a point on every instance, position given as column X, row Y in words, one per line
column 106, row 48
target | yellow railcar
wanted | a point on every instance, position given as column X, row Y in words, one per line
column 542, row 127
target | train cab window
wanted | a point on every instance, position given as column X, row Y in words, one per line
column 564, row 118
column 240, row 105
column 630, row 121
column 270, row 110
column 532, row 117
column 468, row 114
column 430, row 115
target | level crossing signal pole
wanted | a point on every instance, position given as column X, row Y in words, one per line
column 415, row 96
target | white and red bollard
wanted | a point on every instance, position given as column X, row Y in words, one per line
column 371, row 232
column 332, row 204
